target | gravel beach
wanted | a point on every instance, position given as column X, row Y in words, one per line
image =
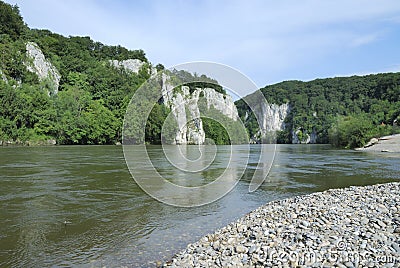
column 352, row 227
column 390, row 144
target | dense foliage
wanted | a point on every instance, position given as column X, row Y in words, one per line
column 92, row 98
column 196, row 81
column 11, row 22
column 345, row 111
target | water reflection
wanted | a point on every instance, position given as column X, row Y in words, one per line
column 182, row 183
column 114, row 223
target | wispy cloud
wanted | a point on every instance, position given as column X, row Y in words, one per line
column 363, row 40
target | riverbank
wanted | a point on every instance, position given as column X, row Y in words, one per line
column 390, row 144
column 351, row 227
column 18, row 143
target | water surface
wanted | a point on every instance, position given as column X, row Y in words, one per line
column 114, row 223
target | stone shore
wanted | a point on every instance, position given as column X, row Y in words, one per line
column 388, row 144
column 352, row 227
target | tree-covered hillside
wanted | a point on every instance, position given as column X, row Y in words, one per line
column 345, row 111
column 87, row 104
column 92, row 94
column 92, row 97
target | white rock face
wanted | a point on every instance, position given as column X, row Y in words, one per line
column 184, row 106
column 272, row 117
column 132, row 65
column 220, row 102
column 41, row 66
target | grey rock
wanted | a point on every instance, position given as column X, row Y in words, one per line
column 252, row 249
column 272, row 117
column 396, row 247
column 245, row 259
column 241, row 249
column 131, row 65
column 41, row 66
column 373, row 141
column 381, row 223
column 184, row 106
column 304, row 224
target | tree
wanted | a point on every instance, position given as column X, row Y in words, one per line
column 11, row 22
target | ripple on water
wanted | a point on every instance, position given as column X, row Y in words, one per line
column 114, row 223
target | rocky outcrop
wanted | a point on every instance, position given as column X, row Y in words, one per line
column 220, row 102
column 271, row 119
column 42, row 67
column 372, row 142
column 186, row 111
column 387, row 144
column 131, row 65
column 301, row 136
column 185, row 107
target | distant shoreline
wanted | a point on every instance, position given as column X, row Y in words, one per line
column 387, row 144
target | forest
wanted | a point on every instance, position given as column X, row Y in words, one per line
column 92, row 96
column 343, row 111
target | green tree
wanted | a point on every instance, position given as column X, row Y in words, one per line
column 11, row 22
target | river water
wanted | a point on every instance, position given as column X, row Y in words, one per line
column 112, row 222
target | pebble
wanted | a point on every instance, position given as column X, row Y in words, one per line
column 252, row 249
column 357, row 221
column 396, row 247
column 381, row 223
column 364, row 221
column 241, row 249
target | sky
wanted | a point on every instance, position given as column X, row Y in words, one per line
column 268, row 41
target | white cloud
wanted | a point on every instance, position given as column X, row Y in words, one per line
column 363, row 40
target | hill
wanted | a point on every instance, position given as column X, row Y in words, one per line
column 73, row 90
column 344, row 111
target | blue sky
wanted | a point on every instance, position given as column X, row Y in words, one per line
column 269, row 41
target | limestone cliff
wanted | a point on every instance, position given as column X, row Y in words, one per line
column 185, row 107
column 131, row 65
column 42, row 67
column 272, row 118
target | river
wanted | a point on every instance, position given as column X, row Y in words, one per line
column 111, row 221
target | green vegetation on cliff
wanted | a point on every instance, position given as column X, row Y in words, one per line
column 89, row 105
column 344, row 111
column 93, row 95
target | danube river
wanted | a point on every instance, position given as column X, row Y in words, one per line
column 78, row 205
